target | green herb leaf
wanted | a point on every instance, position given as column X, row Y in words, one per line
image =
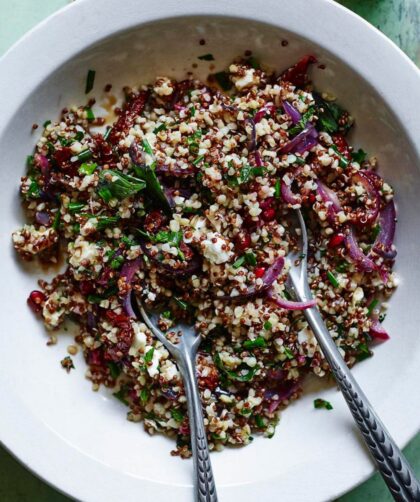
column 375, row 231
column 372, row 305
column 198, row 160
column 46, row 123
column 89, row 114
column 87, row 169
column 222, row 78
column 258, row 343
column 149, row 355
column 90, row 80
column 363, row 352
column 34, row 192
column 253, row 62
column 239, row 262
column 277, row 189
column 250, row 258
column 122, row 394
column 56, row 222
column 84, row 155
column 107, row 133
column 206, row 57
column 267, row 325
column 147, row 147
column 288, row 353
column 181, row 303
column 177, row 415
column 116, row 262
column 144, row 395
column 342, row 161
column 359, row 156
column 243, row 374
column 75, row 207
column 114, row 370
column 321, row 403
column 300, row 126
column 342, row 267
column 332, row 279
column 161, row 127
column 259, row 421
column 105, row 221
column 121, row 185
column 153, row 187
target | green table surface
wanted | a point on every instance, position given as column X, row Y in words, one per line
column 398, row 19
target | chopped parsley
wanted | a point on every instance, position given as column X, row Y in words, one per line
column 181, row 303
column 331, row 277
column 206, row 57
column 90, row 80
column 88, row 168
column 160, row 127
column 359, row 156
column 222, row 78
column 177, row 415
column 322, row 404
column 372, row 305
column 114, row 370
column 267, row 325
column 288, row 353
column 120, row 186
column 239, row 262
column 149, row 355
column 89, row 114
column 258, row 343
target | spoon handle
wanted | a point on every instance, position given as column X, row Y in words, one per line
column 391, row 463
column 205, row 488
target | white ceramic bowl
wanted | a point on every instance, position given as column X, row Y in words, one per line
column 80, row 441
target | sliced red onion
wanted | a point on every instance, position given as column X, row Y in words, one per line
column 294, row 115
column 286, row 190
column 330, row 199
column 384, row 240
column 363, row 262
column 190, row 269
column 91, row 321
column 43, row 163
column 288, row 304
column 252, row 136
column 369, row 186
column 43, row 218
column 262, row 112
column 305, row 145
column 282, row 392
column 128, row 306
column 271, row 274
column 175, row 170
column 129, row 269
column 377, row 332
column 258, row 159
column 301, row 142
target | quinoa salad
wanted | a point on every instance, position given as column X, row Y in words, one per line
column 186, row 201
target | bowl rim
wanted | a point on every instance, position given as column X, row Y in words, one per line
column 394, row 70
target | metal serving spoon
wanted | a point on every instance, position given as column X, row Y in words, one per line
column 185, row 353
column 393, row 466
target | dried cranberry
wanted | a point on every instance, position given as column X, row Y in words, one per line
column 95, row 357
column 242, row 241
column 86, row 287
column 259, row 272
column 311, row 198
column 336, row 240
column 342, row 145
column 268, row 214
column 188, row 252
column 35, row 300
column 267, row 203
column 297, row 74
column 120, row 320
column 132, row 109
column 119, row 350
column 154, row 220
column 62, row 157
